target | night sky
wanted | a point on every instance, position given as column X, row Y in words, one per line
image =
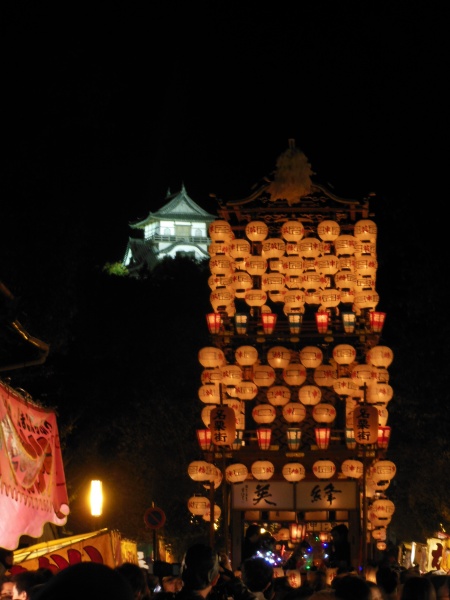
column 106, row 109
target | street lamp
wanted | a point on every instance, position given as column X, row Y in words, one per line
column 96, row 499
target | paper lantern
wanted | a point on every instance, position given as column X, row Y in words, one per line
column 246, row 390
column 197, row 505
column 379, row 534
column 324, row 469
column 324, row 375
column 381, row 546
column 216, row 478
column 200, row 470
column 379, row 393
column 231, row 374
column 236, row 473
column 365, row 424
column 344, row 354
column 311, row 357
column 279, row 357
column 383, row 508
column 294, row 412
column 206, row 414
column 294, row 374
column 324, row 413
column 344, row 245
column 278, row 395
column 211, row 376
column 262, row 470
column 322, row 435
column 309, row 395
column 292, row 231
column 223, row 426
column 209, row 393
column 294, row 578
column 264, row 435
column 263, row 375
column 239, row 248
column 206, row 516
column 365, row 229
column 272, row 248
column 220, row 230
column 211, row 357
column 328, row 230
column 352, row 468
column 293, row 435
column 264, row 413
column 256, row 231
column 293, row 472
column 246, row 356
column 383, row 470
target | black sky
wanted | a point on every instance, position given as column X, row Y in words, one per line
column 105, row 108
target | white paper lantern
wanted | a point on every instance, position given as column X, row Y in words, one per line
column 279, row 357
column 311, row 356
column 264, row 413
column 293, row 472
column 263, row 375
column 197, row 505
column 236, row 473
column 324, row 469
column 324, row 413
column 200, row 470
column 294, row 412
column 309, row 395
column 211, row 357
column 262, row 470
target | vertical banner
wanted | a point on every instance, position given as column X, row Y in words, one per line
column 32, row 483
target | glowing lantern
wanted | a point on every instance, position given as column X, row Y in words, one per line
column 264, row 413
column 256, row 231
column 345, row 244
column 344, row 354
column 383, row 508
column 220, row 231
column 363, row 374
column 216, row 479
column 272, row 248
column 220, row 299
column 200, row 470
column 384, row 434
column 328, row 230
column 239, row 248
column 255, row 297
column 246, row 355
column 381, row 546
column 365, row 229
column 262, row 470
column 221, row 266
column 209, row 393
column 294, row 412
column 198, row 505
column 383, row 415
column 379, row 393
column 207, row 514
column 383, row 470
column 269, row 321
column 294, row 578
column 380, row 356
column 293, row 472
column 278, row 395
column 294, row 374
column 211, row 376
column 379, row 534
column 365, row 424
column 223, row 426
column 214, row 322
column 352, row 468
column 264, row 435
column 309, row 395
column 246, row 390
column 311, row 356
column 204, row 439
column 236, row 473
column 324, row 469
column 324, row 413
column 263, row 375
column 211, row 356
column 324, row 375
column 293, row 435
column 322, row 435
column 231, row 374
column 330, row 298
column 279, row 357
column 292, row 231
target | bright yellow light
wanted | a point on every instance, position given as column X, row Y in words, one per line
column 96, row 498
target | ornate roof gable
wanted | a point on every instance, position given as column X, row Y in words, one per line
column 180, row 207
